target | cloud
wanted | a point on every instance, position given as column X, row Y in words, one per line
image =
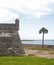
column 6, row 14
column 10, row 9
column 38, row 8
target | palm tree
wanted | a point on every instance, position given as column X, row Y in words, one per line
column 43, row 30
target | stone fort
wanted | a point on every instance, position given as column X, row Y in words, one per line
column 10, row 43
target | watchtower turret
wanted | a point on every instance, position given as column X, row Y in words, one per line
column 17, row 23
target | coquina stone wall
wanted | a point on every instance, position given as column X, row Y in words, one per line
column 10, row 43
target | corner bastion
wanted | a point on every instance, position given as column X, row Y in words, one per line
column 10, row 43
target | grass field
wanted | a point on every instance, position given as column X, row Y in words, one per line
column 26, row 60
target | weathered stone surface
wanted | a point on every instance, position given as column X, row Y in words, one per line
column 10, row 43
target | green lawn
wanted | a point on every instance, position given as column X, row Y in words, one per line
column 27, row 60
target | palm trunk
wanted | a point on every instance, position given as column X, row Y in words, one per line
column 43, row 41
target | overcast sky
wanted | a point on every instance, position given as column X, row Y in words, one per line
column 33, row 15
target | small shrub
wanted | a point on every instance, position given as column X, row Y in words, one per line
column 51, row 52
column 31, row 55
